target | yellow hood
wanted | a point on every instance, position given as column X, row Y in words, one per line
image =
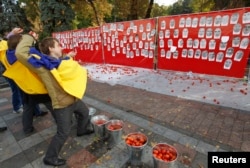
column 25, row 79
column 72, row 77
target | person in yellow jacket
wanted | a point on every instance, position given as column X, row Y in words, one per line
column 15, row 72
column 17, row 102
column 65, row 81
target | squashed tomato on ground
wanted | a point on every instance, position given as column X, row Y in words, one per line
column 136, row 139
column 164, row 152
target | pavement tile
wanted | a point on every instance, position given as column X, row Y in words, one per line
column 223, row 137
column 28, row 166
column 245, row 146
column 200, row 161
column 247, row 126
column 186, row 154
column 238, row 126
column 246, row 136
column 15, row 125
column 36, row 151
column 49, row 132
column 15, row 161
column 188, row 141
column 243, row 116
column 113, row 158
column 80, row 159
column 10, row 151
column 30, row 141
column 43, row 122
column 7, row 139
column 235, row 144
column 204, row 148
column 213, row 133
column 172, row 135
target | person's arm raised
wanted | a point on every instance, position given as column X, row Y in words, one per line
column 23, row 48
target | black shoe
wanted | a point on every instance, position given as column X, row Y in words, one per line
column 54, row 162
column 2, row 129
column 88, row 132
column 29, row 131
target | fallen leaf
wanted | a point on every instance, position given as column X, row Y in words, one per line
column 41, row 152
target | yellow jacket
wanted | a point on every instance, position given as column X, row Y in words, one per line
column 65, row 84
column 70, row 76
column 3, row 49
column 26, row 80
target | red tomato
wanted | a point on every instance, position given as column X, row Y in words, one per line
column 114, row 126
column 136, row 139
column 164, row 152
column 100, row 122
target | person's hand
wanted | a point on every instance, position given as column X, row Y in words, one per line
column 71, row 54
column 17, row 30
column 34, row 34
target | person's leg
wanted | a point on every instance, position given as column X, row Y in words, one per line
column 30, row 103
column 27, row 118
column 48, row 105
column 38, row 112
column 63, row 120
column 43, row 99
column 82, row 112
column 16, row 96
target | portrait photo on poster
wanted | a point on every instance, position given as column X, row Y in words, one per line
column 228, row 64
column 219, row 56
column 238, row 56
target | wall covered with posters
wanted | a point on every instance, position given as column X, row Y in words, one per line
column 86, row 42
column 214, row 43
column 211, row 43
column 130, row 43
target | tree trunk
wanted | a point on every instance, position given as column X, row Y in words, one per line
column 93, row 6
column 133, row 10
column 150, row 6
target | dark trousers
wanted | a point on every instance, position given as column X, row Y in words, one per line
column 63, row 119
column 30, row 103
column 17, row 102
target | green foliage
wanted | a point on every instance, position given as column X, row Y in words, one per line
column 180, row 7
column 84, row 22
column 159, row 10
column 88, row 13
column 11, row 15
column 56, row 15
column 247, row 3
column 31, row 8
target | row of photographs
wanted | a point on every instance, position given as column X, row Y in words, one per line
column 206, row 43
column 205, row 21
column 204, row 54
column 238, row 29
column 186, row 21
column 226, row 59
column 216, row 33
column 209, row 55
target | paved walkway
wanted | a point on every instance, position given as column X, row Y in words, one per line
column 193, row 127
